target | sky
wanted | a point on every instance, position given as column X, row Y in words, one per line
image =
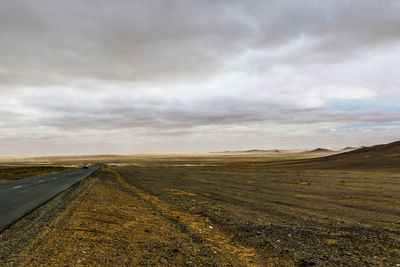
column 120, row 77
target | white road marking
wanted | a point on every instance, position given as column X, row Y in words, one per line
column 18, row 186
column 41, row 181
column 54, row 178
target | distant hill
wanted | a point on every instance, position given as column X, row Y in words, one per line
column 263, row 151
column 384, row 157
column 349, row 148
column 253, row 151
column 318, row 150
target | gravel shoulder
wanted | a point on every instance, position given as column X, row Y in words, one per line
column 15, row 242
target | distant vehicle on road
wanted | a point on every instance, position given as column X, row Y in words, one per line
column 85, row 166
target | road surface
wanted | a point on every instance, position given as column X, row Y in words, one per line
column 17, row 198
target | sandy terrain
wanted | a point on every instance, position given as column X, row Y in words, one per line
column 135, row 158
column 221, row 211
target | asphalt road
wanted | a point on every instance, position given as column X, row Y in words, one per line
column 18, row 198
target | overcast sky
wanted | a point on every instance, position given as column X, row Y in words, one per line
column 90, row 77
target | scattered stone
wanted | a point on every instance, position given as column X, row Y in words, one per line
column 304, row 263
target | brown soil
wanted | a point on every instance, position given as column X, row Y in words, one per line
column 380, row 158
column 294, row 218
column 204, row 214
column 220, row 211
column 10, row 173
column 113, row 223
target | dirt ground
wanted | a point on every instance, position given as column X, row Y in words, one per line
column 15, row 172
column 213, row 214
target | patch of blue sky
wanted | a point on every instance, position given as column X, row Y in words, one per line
column 354, row 105
column 374, row 125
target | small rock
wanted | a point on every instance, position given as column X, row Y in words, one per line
column 304, row 262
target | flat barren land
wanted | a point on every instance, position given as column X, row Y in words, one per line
column 221, row 210
column 20, row 171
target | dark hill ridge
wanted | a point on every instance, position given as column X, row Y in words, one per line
column 349, row 148
column 320, row 150
column 379, row 149
column 385, row 158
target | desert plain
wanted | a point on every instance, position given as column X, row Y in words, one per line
column 253, row 208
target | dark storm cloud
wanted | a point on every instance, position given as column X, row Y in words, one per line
column 119, row 40
column 52, row 42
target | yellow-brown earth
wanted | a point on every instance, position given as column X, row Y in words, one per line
column 221, row 211
column 21, row 171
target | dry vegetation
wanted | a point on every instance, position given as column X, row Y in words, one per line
column 15, row 172
column 226, row 210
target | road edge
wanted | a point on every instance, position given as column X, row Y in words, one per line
column 18, row 235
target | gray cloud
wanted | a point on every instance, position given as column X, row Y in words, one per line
column 150, row 71
column 54, row 42
column 122, row 40
column 123, row 111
